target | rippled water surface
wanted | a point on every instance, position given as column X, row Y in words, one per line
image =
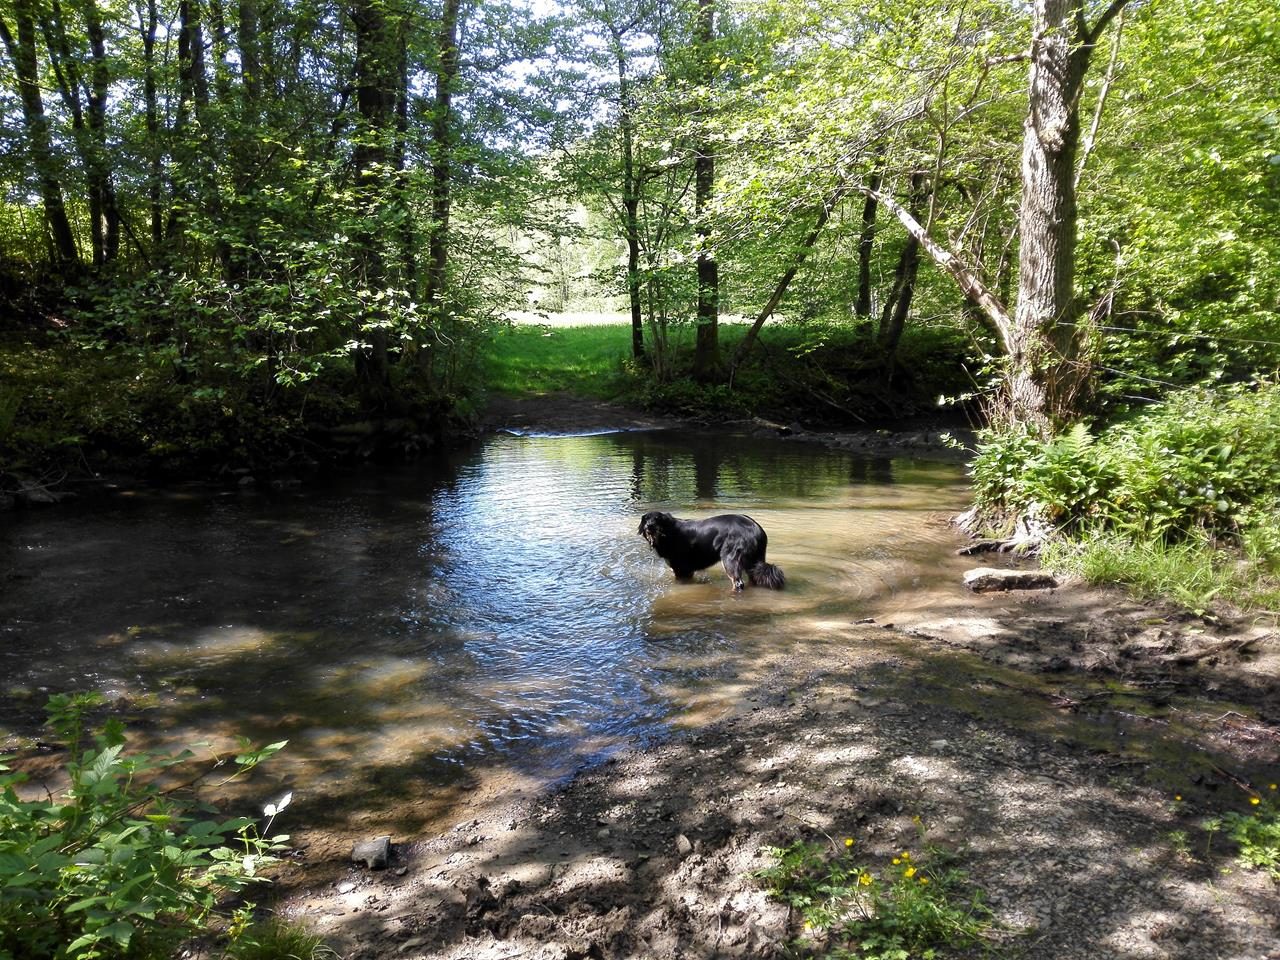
column 405, row 628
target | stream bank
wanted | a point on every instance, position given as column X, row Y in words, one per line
column 1069, row 822
column 1065, row 745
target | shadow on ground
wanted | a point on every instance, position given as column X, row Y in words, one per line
column 652, row 854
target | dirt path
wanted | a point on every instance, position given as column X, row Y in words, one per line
column 1041, row 737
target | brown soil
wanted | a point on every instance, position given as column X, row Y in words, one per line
column 1042, row 737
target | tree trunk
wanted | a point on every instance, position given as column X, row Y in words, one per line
column 250, row 57
column 219, row 37
column 193, row 98
column 1045, row 373
column 630, row 199
column 193, row 84
column 897, row 307
column 441, row 151
column 866, row 242
column 780, row 288
column 375, row 81
column 102, row 193
column 147, row 28
column 408, row 234
column 22, row 51
column 65, row 66
column 971, row 285
column 706, row 358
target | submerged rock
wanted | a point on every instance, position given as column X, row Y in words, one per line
column 990, row 580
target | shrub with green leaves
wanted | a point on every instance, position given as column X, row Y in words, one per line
column 907, row 910
column 1199, row 462
column 114, row 865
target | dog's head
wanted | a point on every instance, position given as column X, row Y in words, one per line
column 654, row 526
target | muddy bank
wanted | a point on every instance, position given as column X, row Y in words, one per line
column 1073, row 835
column 1044, row 739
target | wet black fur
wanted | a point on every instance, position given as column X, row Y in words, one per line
column 691, row 545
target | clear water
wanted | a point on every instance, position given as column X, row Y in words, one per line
column 406, row 629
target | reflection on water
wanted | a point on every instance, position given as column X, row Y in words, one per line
column 406, row 628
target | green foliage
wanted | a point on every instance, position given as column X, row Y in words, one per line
column 1177, row 202
column 1198, row 463
column 1178, row 502
column 1258, row 833
column 1061, row 480
column 904, row 911
column 115, row 865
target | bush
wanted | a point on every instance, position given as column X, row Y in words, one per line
column 116, row 865
column 1199, row 463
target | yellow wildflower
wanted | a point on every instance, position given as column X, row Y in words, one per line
column 1177, row 796
column 865, row 879
column 896, row 861
column 1271, row 787
column 924, row 880
column 848, row 841
column 909, row 872
column 1255, row 801
column 906, row 854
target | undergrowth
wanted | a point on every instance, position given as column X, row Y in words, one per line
column 907, row 909
column 116, row 864
column 1257, row 833
column 1181, row 502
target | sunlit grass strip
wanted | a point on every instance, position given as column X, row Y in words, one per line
column 524, row 360
column 1195, row 573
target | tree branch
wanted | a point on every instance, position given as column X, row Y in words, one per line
column 964, row 275
column 806, row 245
column 1091, row 137
column 1109, row 14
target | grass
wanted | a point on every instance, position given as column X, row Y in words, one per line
column 1194, row 573
column 815, row 372
column 277, row 940
column 534, row 360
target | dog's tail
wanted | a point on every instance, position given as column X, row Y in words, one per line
column 767, row 575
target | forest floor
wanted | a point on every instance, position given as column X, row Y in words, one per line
column 1064, row 747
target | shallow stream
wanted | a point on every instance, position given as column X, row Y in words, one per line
column 489, row 622
column 406, row 629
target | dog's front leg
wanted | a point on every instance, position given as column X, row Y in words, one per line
column 734, row 571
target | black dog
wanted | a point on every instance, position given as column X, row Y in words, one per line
column 690, row 545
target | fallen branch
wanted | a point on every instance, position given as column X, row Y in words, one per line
column 1236, row 643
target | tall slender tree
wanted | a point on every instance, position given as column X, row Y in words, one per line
column 1046, row 372
column 706, row 358
column 21, row 47
column 441, row 146
column 375, row 83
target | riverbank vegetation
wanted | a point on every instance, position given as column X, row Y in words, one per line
column 126, row 859
column 257, row 236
